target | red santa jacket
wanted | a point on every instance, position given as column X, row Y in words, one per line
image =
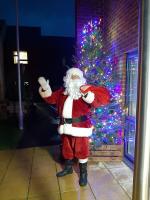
column 97, row 96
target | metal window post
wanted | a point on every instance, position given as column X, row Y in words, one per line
column 19, row 74
column 141, row 180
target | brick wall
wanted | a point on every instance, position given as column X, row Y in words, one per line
column 121, row 32
column 120, row 21
column 121, row 24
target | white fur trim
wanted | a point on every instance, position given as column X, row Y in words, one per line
column 89, row 98
column 46, row 93
column 68, row 129
column 74, row 71
column 83, row 160
column 67, row 109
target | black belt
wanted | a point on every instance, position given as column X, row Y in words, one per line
column 73, row 120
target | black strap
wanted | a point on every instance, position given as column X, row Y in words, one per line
column 73, row 120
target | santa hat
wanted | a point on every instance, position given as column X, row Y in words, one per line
column 74, row 71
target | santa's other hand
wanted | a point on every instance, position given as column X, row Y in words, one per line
column 84, row 89
column 88, row 97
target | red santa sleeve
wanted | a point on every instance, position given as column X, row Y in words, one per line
column 54, row 97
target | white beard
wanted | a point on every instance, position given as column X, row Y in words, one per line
column 72, row 88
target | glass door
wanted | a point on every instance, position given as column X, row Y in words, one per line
column 131, row 101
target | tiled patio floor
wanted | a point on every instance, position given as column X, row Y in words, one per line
column 29, row 174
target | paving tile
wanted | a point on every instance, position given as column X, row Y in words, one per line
column 4, row 164
column 25, row 151
column 18, row 173
column 5, row 155
column 22, row 158
column 103, row 175
column 13, row 190
column 42, row 151
column 68, row 183
column 105, row 179
column 42, row 160
column 50, row 196
column 43, row 171
column 123, row 174
column 105, row 187
column 96, row 165
column 82, row 194
column 3, row 168
column 114, row 164
column 2, row 174
column 128, row 187
column 41, row 186
column 24, row 154
column 17, row 199
column 112, row 192
column 20, row 164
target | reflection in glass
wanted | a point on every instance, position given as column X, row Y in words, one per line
column 131, row 101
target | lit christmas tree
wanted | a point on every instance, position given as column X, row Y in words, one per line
column 98, row 69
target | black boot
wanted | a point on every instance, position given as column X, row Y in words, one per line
column 67, row 169
column 83, row 174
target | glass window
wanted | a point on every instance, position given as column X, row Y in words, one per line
column 23, row 57
column 131, row 101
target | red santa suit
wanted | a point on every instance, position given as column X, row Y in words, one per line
column 75, row 134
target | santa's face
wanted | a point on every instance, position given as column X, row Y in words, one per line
column 72, row 86
column 75, row 77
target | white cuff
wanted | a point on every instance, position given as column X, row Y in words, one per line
column 89, row 98
column 83, row 160
column 45, row 94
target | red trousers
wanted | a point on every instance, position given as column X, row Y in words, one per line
column 75, row 147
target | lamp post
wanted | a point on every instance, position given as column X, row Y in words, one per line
column 19, row 76
column 22, row 60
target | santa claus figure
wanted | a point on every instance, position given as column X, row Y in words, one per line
column 74, row 103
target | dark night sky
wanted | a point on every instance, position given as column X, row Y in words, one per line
column 55, row 17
